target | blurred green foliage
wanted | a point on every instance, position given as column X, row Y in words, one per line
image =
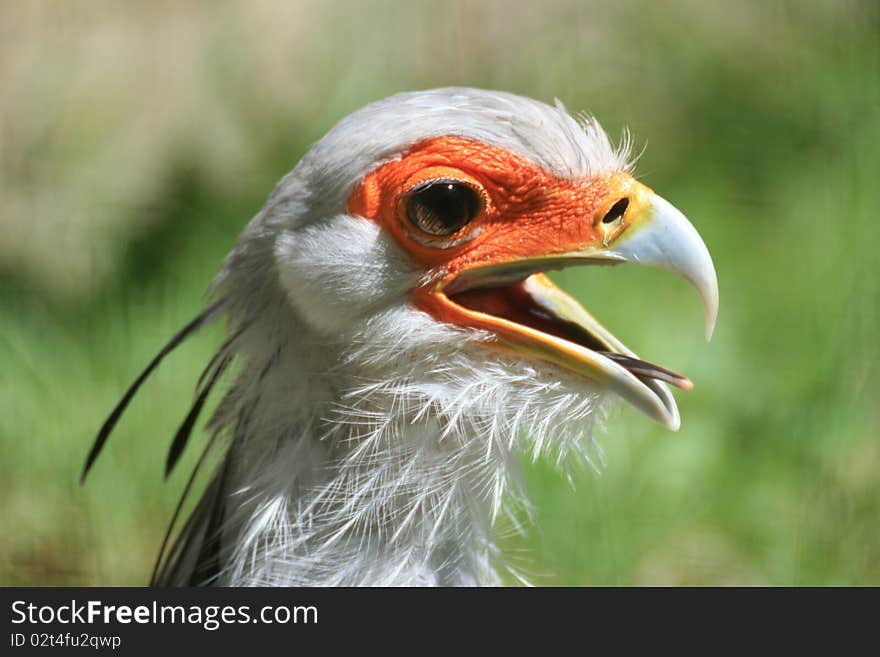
column 138, row 138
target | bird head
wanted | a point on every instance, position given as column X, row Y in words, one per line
column 396, row 334
column 412, row 241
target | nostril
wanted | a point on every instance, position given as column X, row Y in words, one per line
column 616, row 212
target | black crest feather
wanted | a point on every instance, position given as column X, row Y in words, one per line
column 107, row 428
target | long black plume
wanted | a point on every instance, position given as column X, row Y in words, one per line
column 200, row 320
column 178, row 546
column 186, row 427
column 213, row 370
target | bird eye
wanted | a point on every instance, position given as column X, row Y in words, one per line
column 443, row 207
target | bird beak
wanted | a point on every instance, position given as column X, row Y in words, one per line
column 531, row 316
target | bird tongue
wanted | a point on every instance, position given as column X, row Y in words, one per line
column 645, row 370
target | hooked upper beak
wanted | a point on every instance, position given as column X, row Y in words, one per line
column 655, row 233
column 531, row 316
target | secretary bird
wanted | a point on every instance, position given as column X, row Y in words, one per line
column 394, row 343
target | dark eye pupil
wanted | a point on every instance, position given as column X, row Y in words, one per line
column 443, row 207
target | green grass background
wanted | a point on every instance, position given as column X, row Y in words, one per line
column 136, row 140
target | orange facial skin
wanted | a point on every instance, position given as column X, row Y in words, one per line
column 527, row 212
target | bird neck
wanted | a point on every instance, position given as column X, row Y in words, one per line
column 384, row 457
column 342, row 479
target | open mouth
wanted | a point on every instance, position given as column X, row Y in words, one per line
column 518, row 303
column 532, row 317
